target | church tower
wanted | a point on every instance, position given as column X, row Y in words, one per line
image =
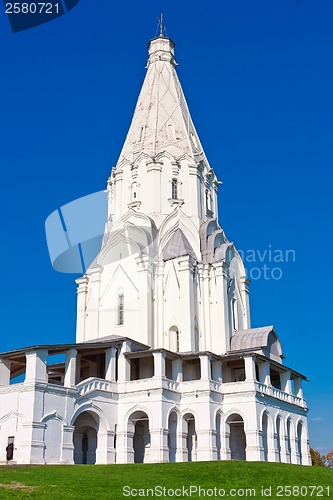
column 166, row 274
column 166, row 367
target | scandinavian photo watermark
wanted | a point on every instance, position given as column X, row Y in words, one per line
column 268, row 263
column 76, row 230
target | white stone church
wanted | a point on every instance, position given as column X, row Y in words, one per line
column 166, row 366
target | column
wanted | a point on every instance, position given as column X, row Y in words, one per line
column 159, row 364
column 177, row 370
column 250, row 368
column 36, row 366
column 70, row 368
column 124, row 365
column 298, row 387
column 264, row 373
column 78, row 369
column 110, row 363
column 4, row 371
column 285, row 382
column 205, row 366
column 217, row 371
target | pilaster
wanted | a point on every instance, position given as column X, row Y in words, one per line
column 36, row 366
column 246, row 300
column 105, row 452
column 285, row 382
column 205, row 447
column 177, row 370
column 254, row 451
column 124, row 366
column 250, row 368
column 92, row 309
column 32, row 448
column 205, row 366
column 298, row 387
column 4, row 371
column 110, row 363
column 221, row 338
column 264, row 373
column 82, row 291
column 67, row 449
column 186, row 266
column 145, row 274
column 159, row 450
column 159, row 364
column 70, row 368
column 217, row 371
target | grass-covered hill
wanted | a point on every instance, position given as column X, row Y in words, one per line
column 182, row 480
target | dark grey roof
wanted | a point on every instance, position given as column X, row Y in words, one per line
column 108, row 338
column 253, row 337
column 102, row 343
column 177, row 246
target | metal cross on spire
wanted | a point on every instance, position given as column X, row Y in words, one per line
column 161, row 25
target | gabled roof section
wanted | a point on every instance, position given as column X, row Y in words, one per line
column 177, row 246
column 162, row 120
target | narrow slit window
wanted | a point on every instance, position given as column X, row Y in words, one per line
column 134, row 191
column 174, row 189
column 121, row 309
column 234, row 314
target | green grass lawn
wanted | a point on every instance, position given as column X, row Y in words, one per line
column 234, row 479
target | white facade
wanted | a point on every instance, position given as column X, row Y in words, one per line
column 166, row 366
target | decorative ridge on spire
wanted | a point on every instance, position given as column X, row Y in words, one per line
column 161, row 120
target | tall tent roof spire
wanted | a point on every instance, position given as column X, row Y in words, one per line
column 161, row 120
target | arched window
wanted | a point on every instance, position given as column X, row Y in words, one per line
column 209, row 200
column 174, row 339
column 120, row 309
column 174, row 189
column 206, row 193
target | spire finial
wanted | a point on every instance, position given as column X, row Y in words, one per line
column 161, row 25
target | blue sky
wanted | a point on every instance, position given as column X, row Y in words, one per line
column 258, row 79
